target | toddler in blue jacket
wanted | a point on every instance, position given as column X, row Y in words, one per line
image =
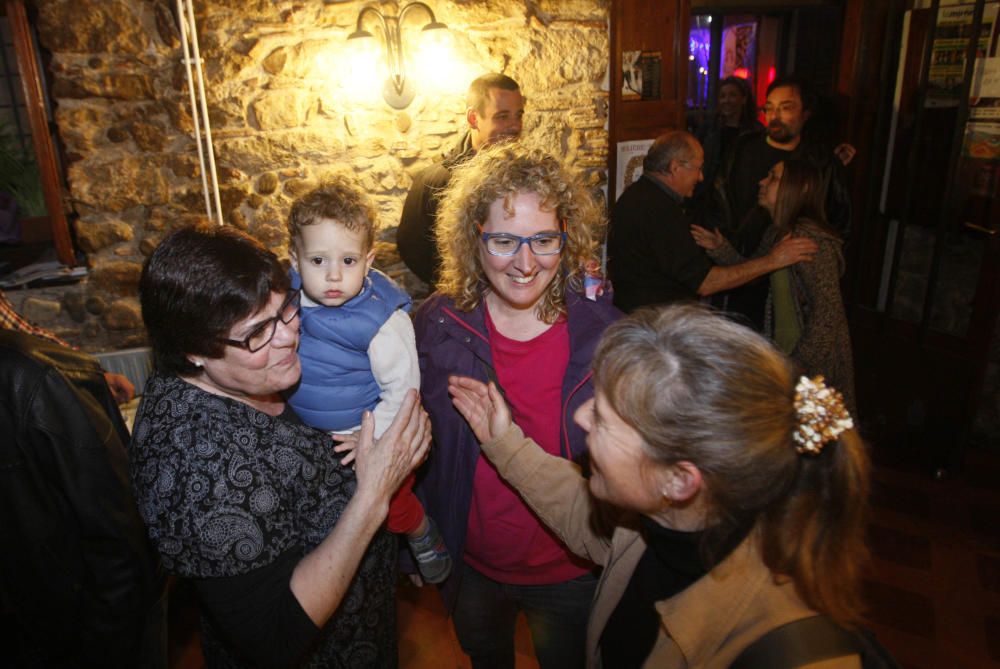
column 356, row 345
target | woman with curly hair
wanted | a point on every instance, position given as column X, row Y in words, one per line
column 516, row 234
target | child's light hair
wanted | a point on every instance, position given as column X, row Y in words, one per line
column 339, row 199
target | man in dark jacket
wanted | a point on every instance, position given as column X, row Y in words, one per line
column 495, row 111
column 652, row 257
column 790, row 105
column 79, row 586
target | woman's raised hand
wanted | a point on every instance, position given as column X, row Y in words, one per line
column 705, row 238
column 481, row 405
column 382, row 464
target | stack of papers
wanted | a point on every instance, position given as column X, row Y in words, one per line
column 47, row 273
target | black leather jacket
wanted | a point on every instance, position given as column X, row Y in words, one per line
column 415, row 236
column 76, row 574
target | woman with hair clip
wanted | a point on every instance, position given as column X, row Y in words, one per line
column 516, row 233
column 737, row 492
column 805, row 313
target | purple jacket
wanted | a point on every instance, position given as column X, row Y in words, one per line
column 453, row 342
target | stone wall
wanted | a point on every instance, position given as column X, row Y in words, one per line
column 283, row 115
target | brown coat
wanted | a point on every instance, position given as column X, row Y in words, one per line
column 708, row 624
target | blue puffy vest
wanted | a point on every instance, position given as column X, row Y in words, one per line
column 337, row 383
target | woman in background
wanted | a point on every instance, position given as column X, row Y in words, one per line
column 736, row 115
column 805, row 313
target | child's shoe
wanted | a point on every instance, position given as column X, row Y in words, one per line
column 432, row 556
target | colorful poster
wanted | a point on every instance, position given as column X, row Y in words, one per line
column 951, row 39
column 629, row 164
column 641, row 72
column 631, row 75
column 984, row 96
column 982, row 142
column 738, row 52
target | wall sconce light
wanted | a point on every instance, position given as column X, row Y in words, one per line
column 398, row 90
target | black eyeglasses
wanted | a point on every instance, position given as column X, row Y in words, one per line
column 264, row 333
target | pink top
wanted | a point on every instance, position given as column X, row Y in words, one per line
column 506, row 541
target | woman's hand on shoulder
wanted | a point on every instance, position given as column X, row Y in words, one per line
column 790, row 250
column 382, row 464
column 482, row 406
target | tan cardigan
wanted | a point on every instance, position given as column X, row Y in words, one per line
column 706, row 625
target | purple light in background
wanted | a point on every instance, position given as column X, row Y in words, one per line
column 699, row 50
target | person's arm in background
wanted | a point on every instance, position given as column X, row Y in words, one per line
column 788, row 251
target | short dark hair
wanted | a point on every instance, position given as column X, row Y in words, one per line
column 670, row 146
column 340, row 199
column 479, row 89
column 805, row 90
column 197, row 284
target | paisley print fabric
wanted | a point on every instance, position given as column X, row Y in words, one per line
column 225, row 489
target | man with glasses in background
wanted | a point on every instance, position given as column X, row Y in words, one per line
column 652, row 257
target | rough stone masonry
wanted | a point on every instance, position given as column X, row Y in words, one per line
column 281, row 119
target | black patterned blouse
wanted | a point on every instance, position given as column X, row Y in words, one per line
column 225, row 490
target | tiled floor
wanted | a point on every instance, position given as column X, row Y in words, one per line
column 934, row 584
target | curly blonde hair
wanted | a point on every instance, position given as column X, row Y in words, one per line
column 500, row 172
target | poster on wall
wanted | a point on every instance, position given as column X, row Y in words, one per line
column 641, row 75
column 984, row 96
column 982, row 142
column 738, row 53
column 951, row 39
column 629, row 164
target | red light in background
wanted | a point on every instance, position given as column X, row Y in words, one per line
column 741, row 72
column 771, row 74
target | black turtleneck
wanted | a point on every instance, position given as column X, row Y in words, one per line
column 671, row 563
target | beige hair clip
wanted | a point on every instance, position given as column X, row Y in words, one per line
column 821, row 413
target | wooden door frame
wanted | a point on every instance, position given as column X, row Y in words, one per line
column 45, row 151
column 866, row 80
column 646, row 119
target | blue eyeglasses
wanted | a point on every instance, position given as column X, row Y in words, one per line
column 506, row 244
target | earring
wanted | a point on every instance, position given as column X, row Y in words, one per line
column 198, row 363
